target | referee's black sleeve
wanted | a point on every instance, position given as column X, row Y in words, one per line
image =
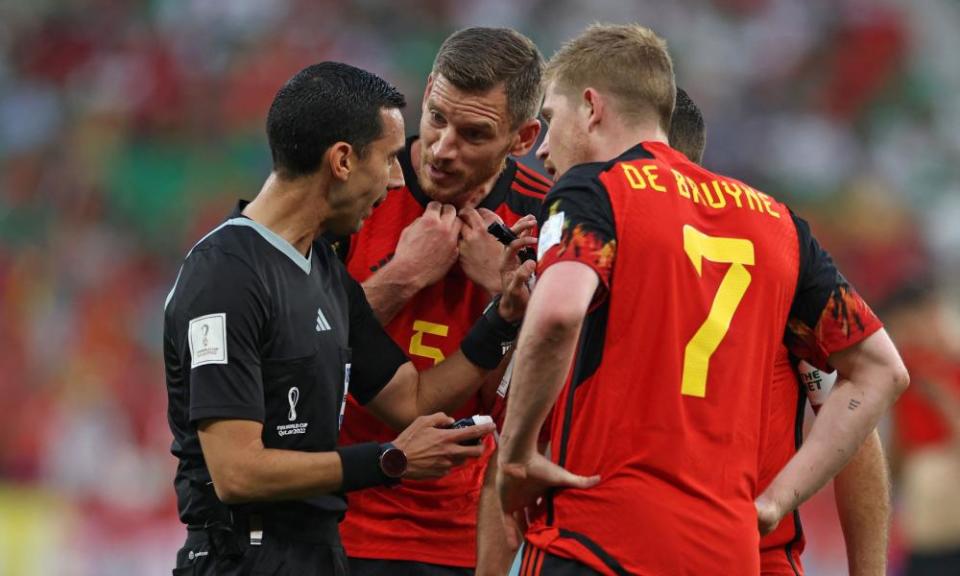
column 376, row 358
column 221, row 310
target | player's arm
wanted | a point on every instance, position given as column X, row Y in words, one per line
column 830, row 324
column 544, row 352
column 861, row 489
column 576, row 248
column 450, row 383
column 862, row 493
column 495, row 551
column 425, row 252
column 871, row 377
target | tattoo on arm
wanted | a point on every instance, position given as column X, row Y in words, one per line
column 853, row 404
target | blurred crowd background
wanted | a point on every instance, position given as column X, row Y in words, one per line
column 129, row 127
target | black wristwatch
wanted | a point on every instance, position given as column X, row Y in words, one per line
column 393, row 462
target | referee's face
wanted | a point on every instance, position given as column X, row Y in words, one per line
column 377, row 171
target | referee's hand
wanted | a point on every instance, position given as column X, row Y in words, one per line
column 431, row 451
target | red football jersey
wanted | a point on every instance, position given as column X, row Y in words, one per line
column 668, row 396
column 425, row 521
column 919, row 424
column 780, row 550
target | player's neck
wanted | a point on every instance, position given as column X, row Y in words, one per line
column 287, row 208
column 617, row 138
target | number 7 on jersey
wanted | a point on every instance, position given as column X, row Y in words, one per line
column 738, row 252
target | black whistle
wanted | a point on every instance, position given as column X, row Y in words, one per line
column 505, row 236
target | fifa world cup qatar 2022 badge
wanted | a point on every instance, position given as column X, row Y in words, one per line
column 293, row 397
column 207, row 337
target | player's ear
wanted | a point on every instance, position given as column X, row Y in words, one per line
column 340, row 160
column 525, row 137
column 594, row 107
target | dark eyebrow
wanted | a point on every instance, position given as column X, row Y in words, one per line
column 486, row 127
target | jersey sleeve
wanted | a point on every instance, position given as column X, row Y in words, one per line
column 827, row 315
column 222, row 313
column 375, row 356
column 578, row 226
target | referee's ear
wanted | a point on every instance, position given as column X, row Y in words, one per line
column 340, row 159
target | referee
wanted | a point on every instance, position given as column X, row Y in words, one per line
column 265, row 332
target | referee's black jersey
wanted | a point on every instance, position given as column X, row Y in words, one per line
column 255, row 330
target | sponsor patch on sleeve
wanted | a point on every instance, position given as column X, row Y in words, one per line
column 550, row 234
column 208, row 340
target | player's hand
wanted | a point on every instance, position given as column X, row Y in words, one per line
column 428, row 246
column 521, row 484
column 431, row 451
column 769, row 514
column 480, row 252
column 514, row 275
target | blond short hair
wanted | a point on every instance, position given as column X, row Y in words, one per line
column 628, row 61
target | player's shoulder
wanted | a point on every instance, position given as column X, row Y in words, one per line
column 579, row 178
column 588, row 174
column 526, row 188
column 528, row 182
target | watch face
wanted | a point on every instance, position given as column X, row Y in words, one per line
column 393, row 462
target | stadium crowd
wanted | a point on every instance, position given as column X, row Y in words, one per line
column 129, row 128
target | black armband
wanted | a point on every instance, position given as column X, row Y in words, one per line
column 361, row 466
column 486, row 343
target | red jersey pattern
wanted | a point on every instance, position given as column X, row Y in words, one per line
column 425, row 521
column 780, row 550
column 668, row 397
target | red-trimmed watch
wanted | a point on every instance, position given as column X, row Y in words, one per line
column 393, row 462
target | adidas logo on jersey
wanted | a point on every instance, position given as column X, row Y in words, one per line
column 322, row 324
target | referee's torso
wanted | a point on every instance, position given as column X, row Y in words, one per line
column 255, row 330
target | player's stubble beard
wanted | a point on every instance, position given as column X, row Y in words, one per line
column 472, row 190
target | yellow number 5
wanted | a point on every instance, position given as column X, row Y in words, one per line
column 738, row 252
column 418, row 348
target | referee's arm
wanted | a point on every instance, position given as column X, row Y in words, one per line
column 243, row 470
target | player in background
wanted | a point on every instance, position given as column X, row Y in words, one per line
column 926, row 447
column 428, row 267
column 663, row 292
column 861, row 489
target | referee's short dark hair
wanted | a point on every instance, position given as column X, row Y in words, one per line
column 688, row 134
column 322, row 104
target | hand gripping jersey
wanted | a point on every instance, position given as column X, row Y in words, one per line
column 670, row 387
column 428, row 521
